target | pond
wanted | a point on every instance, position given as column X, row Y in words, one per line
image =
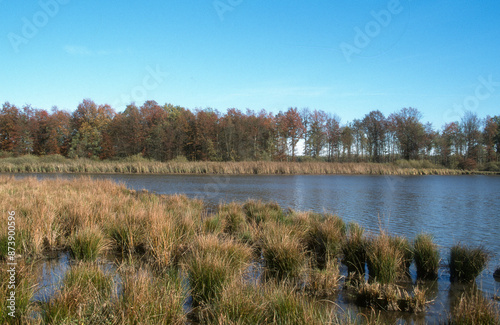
column 454, row 209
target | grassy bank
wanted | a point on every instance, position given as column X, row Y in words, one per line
column 137, row 165
column 251, row 263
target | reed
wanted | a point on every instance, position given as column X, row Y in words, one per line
column 426, row 257
column 33, row 164
column 466, row 263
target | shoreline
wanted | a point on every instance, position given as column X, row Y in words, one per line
column 85, row 166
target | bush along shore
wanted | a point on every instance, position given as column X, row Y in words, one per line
column 139, row 165
column 250, row 263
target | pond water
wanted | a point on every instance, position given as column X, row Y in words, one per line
column 454, row 209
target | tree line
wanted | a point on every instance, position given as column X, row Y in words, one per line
column 168, row 132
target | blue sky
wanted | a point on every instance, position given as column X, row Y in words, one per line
column 344, row 57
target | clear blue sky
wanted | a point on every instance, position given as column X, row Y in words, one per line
column 432, row 55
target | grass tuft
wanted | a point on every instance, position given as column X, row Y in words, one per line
column 88, row 244
column 282, row 250
column 473, row 308
column 466, row 263
column 426, row 257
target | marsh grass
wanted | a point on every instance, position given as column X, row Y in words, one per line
column 324, row 282
column 282, row 250
column 213, row 263
column 406, row 249
column 165, row 235
column 25, row 281
column 385, row 260
column 84, row 296
column 390, row 297
column 426, row 257
column 324, row 236
column 354, row 249
column 58, row 164
column 88, row 244
column 259, row 212
column 147, row 299
column 466, row 263
column 474, row 308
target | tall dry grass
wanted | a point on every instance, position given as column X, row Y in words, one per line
column 33, row 164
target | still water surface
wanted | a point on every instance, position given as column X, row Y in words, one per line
column 454, row 209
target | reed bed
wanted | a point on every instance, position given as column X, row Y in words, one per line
column 49, row 164
column 245, row 264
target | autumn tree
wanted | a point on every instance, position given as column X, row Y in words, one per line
column 294, row 128
column 491, row 130
column 409, row 131
column 470, row 126
column 316, row 138
column 333, row 135
column 375, row 125
column 9, row 127
column 347, row 139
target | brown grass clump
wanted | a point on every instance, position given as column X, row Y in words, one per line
column 283, row 252
column 390, row 297
column 474, row 308
column 323, row 282
column 147, row 299
column 213, row 263
column 354, row 249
